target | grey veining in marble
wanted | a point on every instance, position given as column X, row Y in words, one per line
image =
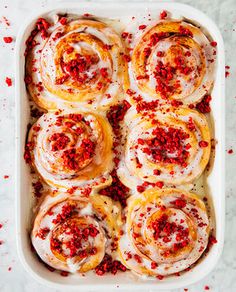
column 223, row 278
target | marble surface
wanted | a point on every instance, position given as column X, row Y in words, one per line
column 13, row 278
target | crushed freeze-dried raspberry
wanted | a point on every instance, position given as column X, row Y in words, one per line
column 163, row 14
column 108, row 265
column 8, row 81
column 213, row 44
column 38, row 188
column 8, row 40
column 142, row 26
column 230, row 151
column 204, row 105
column 41, row 26
column 117, row 191
column 42, row 233
column 203, row 144
column 167, row 146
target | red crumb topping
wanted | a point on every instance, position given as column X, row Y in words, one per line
column 156, row 37
column 203, row 144
column 144, row 106
column 35, row 113
column 117, row 191
column 38, row 187
column 28, row 79
column 141, row 27
column 28, row 148
column 60, row 141
column 63, row 20
column 64, row 273
column 8, row 40
column 213, row 44
column 212, row 240
column 8, row 81
column 165, row 75
column 127, row 58
column 116, row 115
column 154, row 265
column 73, row 160
column 179, row 203
column 72, row 190
column 141, row 188
column 66, row 212
column 185, row 31
column 6, row 176
column 230, row 151
column 78, row 243
column 164, row 230
column 167, row 146
column 163, row 14
column 160, row 277
column 41, row 26
column 206, row 288
column 108, row 265
column 204, row 105
column 78, row 68
column 176, row 103
column 43, row 232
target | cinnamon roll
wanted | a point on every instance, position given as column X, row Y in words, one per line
column 173, row 60
column 79, row 62
column 170, row 145
column 73, row 234
column 71, row 149
column 166, row 232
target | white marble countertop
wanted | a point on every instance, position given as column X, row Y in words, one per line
column 13, row 278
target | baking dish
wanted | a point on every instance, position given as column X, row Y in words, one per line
column 24, row 202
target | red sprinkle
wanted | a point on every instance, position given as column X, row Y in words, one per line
column 230, row 151
column 38, row 188
column 117, row 191
column 213, row 44
column 108, row 265
column 180, row 203
column 63, row 20
column 204, row 105
column 163, row 14
column 160, row 277
column 203, row 144
column 141, row 27
column 8, row 40
column 64, row 274
column 42, row 233
column 212, row 240
column 8, row 81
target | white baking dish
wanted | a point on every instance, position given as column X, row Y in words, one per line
column 24, row 199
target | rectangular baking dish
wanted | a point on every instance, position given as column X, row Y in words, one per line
column 215, row 180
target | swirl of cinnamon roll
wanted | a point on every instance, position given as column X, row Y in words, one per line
column 71, row 149
column 173, row 60
column 166, row 232
column 80, row 62
column 73, row 234
column 171, row 146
